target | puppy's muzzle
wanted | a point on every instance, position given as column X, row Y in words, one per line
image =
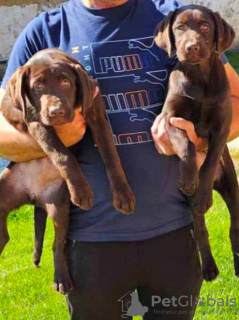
column 56, row 111
column 193, row 52
column 192, row 48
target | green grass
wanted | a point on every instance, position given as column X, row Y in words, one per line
column 26, row 293
column 233, row 58
column 226, row 284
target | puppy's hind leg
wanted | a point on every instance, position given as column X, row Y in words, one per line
column 4, row 236
column 40, row 217
column 60, row 217
column 11, row 197
column 57, row 203
column 209, row 267
column 227, row 185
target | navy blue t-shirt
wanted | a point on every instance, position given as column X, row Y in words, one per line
column 116, row 47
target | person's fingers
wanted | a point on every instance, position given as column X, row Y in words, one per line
column 181, row 123
column 163, row 148
column 155, row 132
column 158, row 148
column 200, row 157
column 185, row 125
column 164, row 142
column 160, row 136
column 156, row 123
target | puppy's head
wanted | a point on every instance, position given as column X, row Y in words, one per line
column 194, row 33
column 50, row 87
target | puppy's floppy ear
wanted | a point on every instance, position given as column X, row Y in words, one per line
column 86, row 88
column 16, row 89
column 164, row 37
column 224, row 33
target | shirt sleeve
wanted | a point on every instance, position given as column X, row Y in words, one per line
column 28, row 43
column 224, row 58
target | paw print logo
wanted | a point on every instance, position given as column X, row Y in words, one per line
column 201, row 302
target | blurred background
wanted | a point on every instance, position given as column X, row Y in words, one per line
column 25, row 292
column 15, row 14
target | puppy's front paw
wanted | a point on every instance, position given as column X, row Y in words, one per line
column 188, row 187
column 62, row 283
column 236, row 262
column 124, row 200
column 83, row 197
column 202, row 201
column 210, row 271
column 188, row 178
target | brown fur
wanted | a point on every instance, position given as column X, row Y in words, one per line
column 44, row 93
column 199, row 92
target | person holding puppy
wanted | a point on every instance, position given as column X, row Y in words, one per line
column 153, row 250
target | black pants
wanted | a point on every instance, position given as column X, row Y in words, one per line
column 165, row 271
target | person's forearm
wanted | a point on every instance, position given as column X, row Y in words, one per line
column 13, row 151
column 16, row 146
column 234, row 85
column 21, row 147
column 234, row 129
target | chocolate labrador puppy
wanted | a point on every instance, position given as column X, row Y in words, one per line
column 199, row 92
column 45, row 93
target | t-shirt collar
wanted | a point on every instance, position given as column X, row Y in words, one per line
column 104, row 11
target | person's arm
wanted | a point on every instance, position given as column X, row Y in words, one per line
column 17, row 146
column 160, row 135
column 234, row 85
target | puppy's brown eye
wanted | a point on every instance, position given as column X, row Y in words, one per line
column 65, row 82
column 38, row 85
column 205, row 27
column 181, row 27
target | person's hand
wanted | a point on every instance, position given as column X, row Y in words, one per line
column 161, row 138
column 71, row 133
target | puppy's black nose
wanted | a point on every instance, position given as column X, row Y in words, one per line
column 192, row 47
column 56, row 111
